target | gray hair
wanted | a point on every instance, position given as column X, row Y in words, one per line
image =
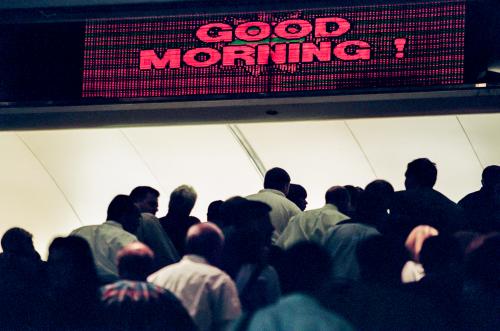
column 182, row 200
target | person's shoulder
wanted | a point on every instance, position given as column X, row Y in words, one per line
column 470, row 198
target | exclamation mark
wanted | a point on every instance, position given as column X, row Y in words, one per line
column 400, row 47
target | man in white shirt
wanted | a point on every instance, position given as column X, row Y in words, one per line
column 276, row 185
column 312, row 225
column 208, row 293
column 105, row 240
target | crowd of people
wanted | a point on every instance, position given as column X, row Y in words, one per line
column 369, row 259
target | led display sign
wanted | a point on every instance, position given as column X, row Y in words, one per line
column 399, row 45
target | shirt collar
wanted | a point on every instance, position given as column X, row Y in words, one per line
column 195, row 258
column 273, row 191
column 114, row 223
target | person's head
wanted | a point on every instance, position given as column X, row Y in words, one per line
column 381, row 260
column 205, row 240
column 491, row 177
column 122, row 210
column 298, row 195
column 19, row 242
column 440, row 253
column 306, row 268
column 338, row 196
column 482, row 264
column 71, row 264
column 375, row 200
column 182, row 200
column 416, row 239
column 145, row 199
column 213, row 212
column 354, row 195
column 277, row 179
column 249, row 230
column 420, row 173
column 135, row 261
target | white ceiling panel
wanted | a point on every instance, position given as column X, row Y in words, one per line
column 391, row 143
column 91, row 166
column 483, row 131
column 29, row 198
column 317, row 154
column 205, row 157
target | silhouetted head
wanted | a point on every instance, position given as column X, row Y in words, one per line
column 213, row 212
column 375, row 200
column 338, row 196
column 416, row 239
column 122, row 210
column 491, row 177
column 306, row 268
column 482, row 263
column 240, row 212
column 145, row 199
column 135, row 262
column 381, row 260
column 18, row 241
column 298, row 195
column 182, row 200
column 277, row 179
column 354, row 194
column 71, row 265
column 439, row 253
column 420, row 173
column 205, row 240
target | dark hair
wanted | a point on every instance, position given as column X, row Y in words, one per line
column 140, row 193
column 422, row 172
column 374, row 200
column 306, row 267
column 297, row 194
column 439, row 253
column 338, row 196
column 213, row 212
column 17, row 240
column 276, row 178
column 122, row 210
column 491, row 176
column 240, row 212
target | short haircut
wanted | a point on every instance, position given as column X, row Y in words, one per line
column 241, row 212
column 16, row 240
column 120, row 206
column 276, row 178
column 204, row 239
column 135, row 261
column 491, row 176
column 338, row 196
column 140, row 193
column 423, row 171
column 182, row 200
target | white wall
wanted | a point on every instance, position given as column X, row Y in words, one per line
column 54, row 181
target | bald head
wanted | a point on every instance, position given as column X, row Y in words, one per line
column 206, row 240
column 135, row 261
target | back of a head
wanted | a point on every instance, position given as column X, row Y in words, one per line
column 277, row 179
column 297, row 194
column 440, row 253
column 213, row 212
column 18, row 241
column 381, row 260
column 135, row 262
column 122, row 210
column 375, row 198
column 491, row 176
column 306, row 268
column 205, row 240
column 182, row 200
column 240, row 212
column 420, row 173
column 71, row 263
column 338, row 196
